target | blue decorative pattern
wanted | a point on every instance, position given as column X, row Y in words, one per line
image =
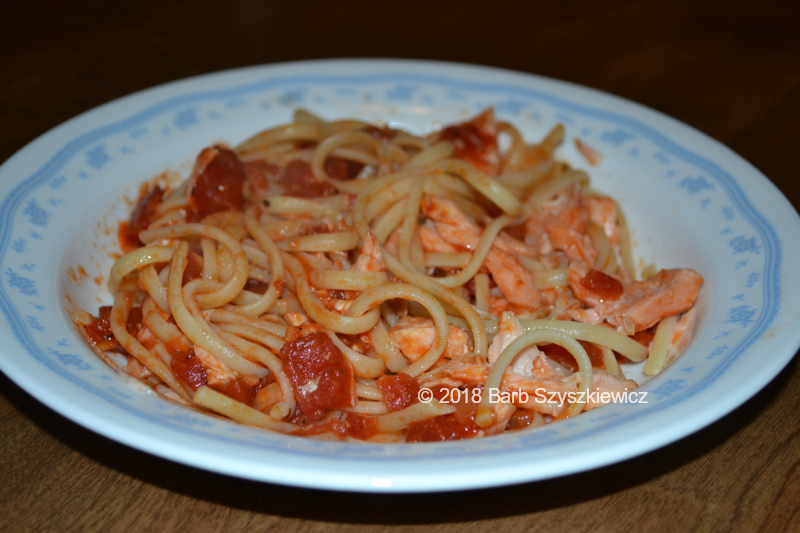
column 754, row 236
column 36, row 214
column 616, row 137
column 741, row 315
column 97, row 157
column 694, row 185
column 740, row 245
column 23, row 285
column 185, row 118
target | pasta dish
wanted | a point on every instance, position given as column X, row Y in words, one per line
column 342, row 280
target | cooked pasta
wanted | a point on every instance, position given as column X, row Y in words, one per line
column 342, row 280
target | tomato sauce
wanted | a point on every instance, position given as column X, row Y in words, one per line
column 218, row 186
column 299, row 180
column 521, row 418
column 342, row 169
column 472, row 144
column 260, row 173
column 141, row 217
column 99, row 331
column 381, row 134
column 258, row 287
column 194, row 269
column 134, row 323
column 399, row 391
column 241, row 389
column 560, row 355
column 602, row 285
column 361, row 427
column 455, row 426
column 188, row 368
column 518, row 232
column 440, row 392
column 440, row 428
column 645, row 337
column 330, row 426
column 321, row 376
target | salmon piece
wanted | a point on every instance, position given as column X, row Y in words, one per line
column 530, row 362
column 566, row 220
column 602, row 381
column 267, row 397
column 216, row 370
column 136, row 369
column 587, row 316
column 415, row 335
column 509, row 331
column 603, row 212
column 369, row 256
column 147, row 339
column 535, row 233
column 536, row 387
column 513, row 280
column 561, row 224
column 431, row 240
column 497, row 304
column 590, row 154
column 452, row 224
column 457, row 229
column 641, row 304
column 681, row 335
column 392, row 244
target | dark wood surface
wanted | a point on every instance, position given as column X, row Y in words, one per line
column 730, row 69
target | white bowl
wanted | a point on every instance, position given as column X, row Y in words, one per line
column 690, row 201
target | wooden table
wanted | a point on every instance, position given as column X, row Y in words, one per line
column 730, row 69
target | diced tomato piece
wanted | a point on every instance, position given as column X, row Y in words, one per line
column 342, row 169
column 299, row 180
column 645, row 337
column 361, row 427
column 561, row 356
column 439, row 429
column 217, row 182
column 329, row 426
column 455, row 426
column 321, row 376
column 602, row 285
column 258, row 287
column 194, row 269
column 399, row 391
column 143, row 215
column 241, row 389
column 521, row 418
column 261, row 174
column 188, row 368
column 475, row 141
column 134, row 320
column 99, row 331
